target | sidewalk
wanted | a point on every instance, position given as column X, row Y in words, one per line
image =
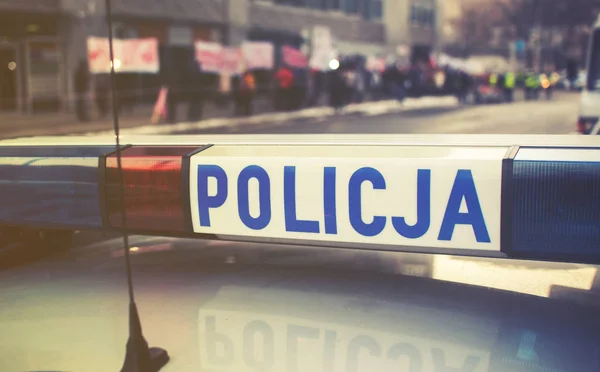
column 13, row 125
column 364, row 109
column 19, row 125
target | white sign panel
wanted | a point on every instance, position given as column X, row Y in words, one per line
column 258, row 55
column 398, row 196
column 321, row 48
column 131, row 55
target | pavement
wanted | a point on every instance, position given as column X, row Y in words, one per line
column 221, row 306
column 420, row 116
column 557, row 116
column 313, row 114
column 414, row 115
column 214, row 116
column 65, row 123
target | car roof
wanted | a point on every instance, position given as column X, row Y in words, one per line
column 214, row 304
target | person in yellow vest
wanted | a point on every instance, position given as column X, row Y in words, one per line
column 509, row 86
column 493, row 80
column 532, row 85
column 493, row 84
column 554, row 78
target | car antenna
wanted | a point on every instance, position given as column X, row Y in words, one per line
column 138, row 357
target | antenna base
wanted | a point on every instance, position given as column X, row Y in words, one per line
column 143, row 359
column 139, row 357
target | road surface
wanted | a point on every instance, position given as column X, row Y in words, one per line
column 557, row 116
column 224, row 306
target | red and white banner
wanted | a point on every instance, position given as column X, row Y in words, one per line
column 131, row 55
column 209, row 55
column 294, row 58
column 98, row 54
column 231, row 60
column 140, row 55
column 258, row 55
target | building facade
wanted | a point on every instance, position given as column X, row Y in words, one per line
column 30, row 58
column 42, row 41
column 449, row 25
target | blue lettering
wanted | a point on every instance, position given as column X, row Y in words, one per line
column 355, row 201
column 205, row 202
column 464, row 187
column 264, row 197
column 423, row 209
column 329, row 201
column 289, row 205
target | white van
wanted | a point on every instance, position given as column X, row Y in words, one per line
column 589, row 106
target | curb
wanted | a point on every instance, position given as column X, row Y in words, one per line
column 366, row 109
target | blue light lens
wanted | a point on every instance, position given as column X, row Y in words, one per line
column 556, row 209
column 51, row 186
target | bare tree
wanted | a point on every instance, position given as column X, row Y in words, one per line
column 562, row 15
column 477, row 25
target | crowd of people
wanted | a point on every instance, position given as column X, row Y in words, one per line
column 348, row 80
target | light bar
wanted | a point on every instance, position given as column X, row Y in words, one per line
column 50, row 186
column 556, row 204
column 153, row 179
column 488, row 199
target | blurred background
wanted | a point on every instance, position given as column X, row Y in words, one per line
column 474, row 51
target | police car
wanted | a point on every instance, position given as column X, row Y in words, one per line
column 283, row 298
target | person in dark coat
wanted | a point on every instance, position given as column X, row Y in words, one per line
column 82, row 80
column 102, row 94
column 284, row 78
column 337, row 89
column 245, row 94
column 196, row 90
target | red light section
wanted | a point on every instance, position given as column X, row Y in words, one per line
column 152, row 188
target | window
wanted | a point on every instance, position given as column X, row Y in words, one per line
column 334, row 4
column 314, row 4
column 370, row 9
column 321, row 4
column 124, row 31
column 363, row 8
column 351, row 6
column 376, row 9
column 422, row 14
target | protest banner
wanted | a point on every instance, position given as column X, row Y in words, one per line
column 140, row 55
column 294, row 58
column 209, row 55
column 322, row 49
column 258, row 55
column 231, row 60
column 131, row 55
